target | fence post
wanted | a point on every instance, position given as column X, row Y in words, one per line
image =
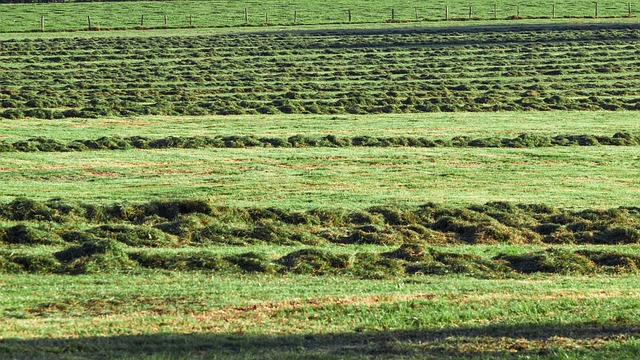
column 470, row 11
column 553, row 11
column 393, row 14
column 165, row 19
column 246, row 16
column 629, row 8
column 417, row 14
column 142, row 21
column 446, row 12
column 349, row 11
column 190, row 20
column 89, row 21
column 42, row 23
column 295, row 16
column 495, row 11
column 596, row 9
column 266, row 18
column 518, row 11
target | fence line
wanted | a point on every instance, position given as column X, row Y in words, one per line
column 393, row 16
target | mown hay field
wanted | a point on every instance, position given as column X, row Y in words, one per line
column 380, row 193
column 420, row 70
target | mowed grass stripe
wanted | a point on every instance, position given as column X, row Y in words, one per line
column 432, row 126
column 312, row 177
column 454, row 317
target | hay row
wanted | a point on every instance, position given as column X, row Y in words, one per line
column 98, row 256
column 39, row 144
column 196, row 223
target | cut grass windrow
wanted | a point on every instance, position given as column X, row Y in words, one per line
column 341, row 72
column 104, row 238
column 109, row 256
column 198, row 223
column 40, row 144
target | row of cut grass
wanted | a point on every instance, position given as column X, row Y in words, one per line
column 362, row 73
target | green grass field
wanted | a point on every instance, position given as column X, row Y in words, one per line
column 381, row 192
column 301, row 316
column 108, row 15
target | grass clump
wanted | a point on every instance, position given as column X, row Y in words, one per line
column 274, row 232
column 171, row 210
column 26, row 234
column 9, row 267
column 22, row 209
column 253, row 262
column 373, row 235
column 180, row 262
column 184, row 226
column 393, row 215
column 616, row 235
column 134, row 235
column 37, row 264
column 365, row 218
column 376, row 266
column 410, row 253
column 555, row 261
column 470, row 264
column 220, row 234
column 421, row 261
column 314, row 262
column 95, row 256
column 612, row 261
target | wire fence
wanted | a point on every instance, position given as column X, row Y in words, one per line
column 196, row 13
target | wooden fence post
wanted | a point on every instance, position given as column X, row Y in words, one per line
column 349, row 11
column 470, row 11
column 89, row 21
column 495, row 11
column 518, row 11
column 42, row 23
column 246, row 16
column 417, row 14
column 553, row 11
column 295, row 16
column 266, row 18
column 165, row 20
column 142, row 21
column 190, row 20
column 446, row 12
column 596, row 9
column 393, row 14
column 629, row 9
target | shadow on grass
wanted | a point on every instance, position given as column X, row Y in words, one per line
column 530, row 341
